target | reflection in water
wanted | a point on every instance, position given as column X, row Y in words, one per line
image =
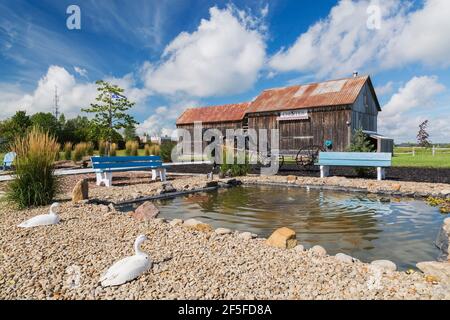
column 361, row 225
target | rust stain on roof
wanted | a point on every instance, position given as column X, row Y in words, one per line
column 224, row 113
column 328, row 93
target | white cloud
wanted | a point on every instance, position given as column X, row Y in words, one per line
column 342, row 43
column 223, row 56
column 411, row 105
column 81, row 71
column 385, row 89
column 73, row 95
column 162, row 122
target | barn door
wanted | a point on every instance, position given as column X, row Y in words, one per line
column 295, row 134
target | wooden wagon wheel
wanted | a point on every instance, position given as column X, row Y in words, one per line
column 307, row 156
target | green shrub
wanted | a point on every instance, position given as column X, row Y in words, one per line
column 234, row 169
column 113, row 150
column 131, row 148
column 34, row 183
column 79, row 151
column 90, row 149
column 361, row 143
column 102, row 148
column 67, row 151
column 165, row 150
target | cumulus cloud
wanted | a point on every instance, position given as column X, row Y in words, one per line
column 385, row 89
column 73, row 95
column 81, row 71
column 162, row 122
column 411, row 105
column 223, row 56
column 342, row 42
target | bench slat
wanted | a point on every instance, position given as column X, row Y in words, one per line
column 355, row 156
column 125, row 159
column 355, row 163
column 154, row 164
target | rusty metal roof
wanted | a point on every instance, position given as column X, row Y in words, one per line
column 321, row 94
column 328, row 93
column 224, row 113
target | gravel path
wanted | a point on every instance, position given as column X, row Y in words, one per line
column 65, row 261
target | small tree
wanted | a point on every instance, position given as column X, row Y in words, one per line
column 110, row 111
column 423, row 136
column 360, row 142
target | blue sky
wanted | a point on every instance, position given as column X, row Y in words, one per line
column 170, row 55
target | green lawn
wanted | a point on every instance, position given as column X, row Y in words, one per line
column 424, row 160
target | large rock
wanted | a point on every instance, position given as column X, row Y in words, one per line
column 222, row 231
column 344, row 258
column 247, row 235
column 166, row 187
column 319, row 250
column 438, row 270
column 442, row 241
column 80, row 191
column 386, row 265
column 283, row 238
column 145, row 212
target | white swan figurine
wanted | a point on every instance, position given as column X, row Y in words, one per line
column 128, row 268
column 42, row 219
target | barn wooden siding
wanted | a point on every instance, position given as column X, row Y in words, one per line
column 221, row 126
column 323, row 124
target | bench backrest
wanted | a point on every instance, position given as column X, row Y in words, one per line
column 357, row 159
column 126, row 162
column 9, row 158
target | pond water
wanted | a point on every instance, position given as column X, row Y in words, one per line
column 365, row 226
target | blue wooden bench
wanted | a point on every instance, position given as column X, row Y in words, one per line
column 8, row 160
column 105, row 166
column 354, row 159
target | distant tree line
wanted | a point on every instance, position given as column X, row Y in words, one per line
column 73, row 130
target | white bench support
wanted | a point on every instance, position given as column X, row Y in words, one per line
column 381, row 173
column 161, row 172
column 324, row 171
column 104, row 177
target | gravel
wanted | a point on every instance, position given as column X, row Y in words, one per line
column 65, row 261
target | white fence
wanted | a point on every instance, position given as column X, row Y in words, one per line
column 421, row 150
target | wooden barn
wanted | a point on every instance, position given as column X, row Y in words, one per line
column 316, row 114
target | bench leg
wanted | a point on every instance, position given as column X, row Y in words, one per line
column 104, row 177
column 324, row 171
column 160, row 172
column 381, row 173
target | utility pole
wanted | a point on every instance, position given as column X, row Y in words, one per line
column 56, row 103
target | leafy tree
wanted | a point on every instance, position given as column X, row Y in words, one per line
column 110, row 111
column 423, row 136
column 129, row 133
column 46, row 121
column 10, row 129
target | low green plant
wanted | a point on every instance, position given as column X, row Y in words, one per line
column 79, row 151
column 67, row 150
column 34, row 182
column 234, row 168
column 113, row 150
column 165, row 150
column 102, row 148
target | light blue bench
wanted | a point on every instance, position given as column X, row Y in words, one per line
column 8, row 160
column 105, row 166
column 379, row 160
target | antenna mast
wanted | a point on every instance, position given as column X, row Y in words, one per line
column 56, row 103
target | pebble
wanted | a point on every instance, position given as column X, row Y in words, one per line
column 319, row 250
column 344, row 258
column 222, row 231
column 384, row 264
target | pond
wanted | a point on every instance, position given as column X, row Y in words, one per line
column 365, row 226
